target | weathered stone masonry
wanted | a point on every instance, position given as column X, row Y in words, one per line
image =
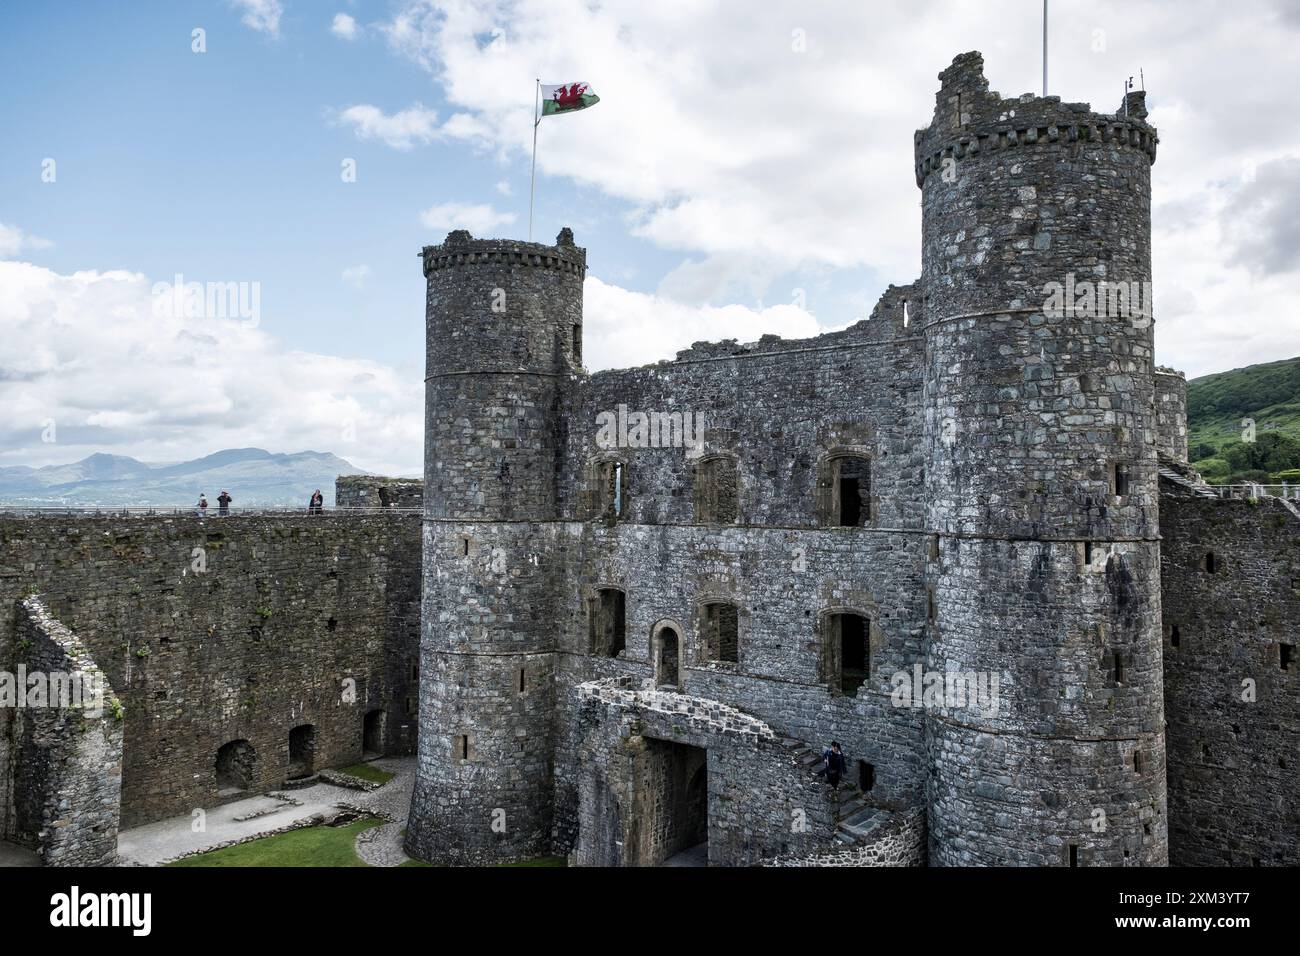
column 68, row 758
column 1041, row 442
column 625, row 650
column 960, row 482
column 218, row 631
column 1231, row 577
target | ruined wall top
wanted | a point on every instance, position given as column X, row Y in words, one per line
column 969, row 118
column 896, row 316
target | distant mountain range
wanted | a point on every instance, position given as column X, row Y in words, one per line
column 253, row 476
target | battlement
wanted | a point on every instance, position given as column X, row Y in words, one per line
column 462, row 249
column 969, row 119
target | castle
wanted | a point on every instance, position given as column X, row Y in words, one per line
column 960, row 537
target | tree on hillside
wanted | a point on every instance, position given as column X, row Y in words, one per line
column 1273, row 452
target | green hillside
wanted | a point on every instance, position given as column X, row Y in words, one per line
column 1217, row 406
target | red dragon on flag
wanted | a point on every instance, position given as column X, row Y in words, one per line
column 567, row 98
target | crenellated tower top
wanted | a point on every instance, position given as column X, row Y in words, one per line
column 969, row 119
column 461, row 249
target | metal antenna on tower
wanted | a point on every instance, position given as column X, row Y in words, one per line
column 1044, row 47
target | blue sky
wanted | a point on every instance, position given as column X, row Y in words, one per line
column 747, row 171
column 226, row 165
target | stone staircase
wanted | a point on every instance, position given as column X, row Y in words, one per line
column 1187, row 485
column 1184, row 477
column 855, row 815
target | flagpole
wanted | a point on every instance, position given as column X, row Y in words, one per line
column 532, row 182
column 1044, row 47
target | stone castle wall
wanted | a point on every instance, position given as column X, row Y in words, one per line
column 760, row 802
column 899, row 841
column 1230, row 572
column 224, row 629
column 60, row 761
column 779, row 409
column 1041, row 480
column 504, row 324
column 1171, row 414
column 373, row 491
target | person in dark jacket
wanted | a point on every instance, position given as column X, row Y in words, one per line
column 223, row 503
column 834, row 758
column 317, row 503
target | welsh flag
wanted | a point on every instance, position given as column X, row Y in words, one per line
column 567, row 98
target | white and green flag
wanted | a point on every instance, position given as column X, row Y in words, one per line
column 567, row 98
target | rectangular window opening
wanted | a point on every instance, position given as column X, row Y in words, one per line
column 850, row 636
column 720, row 633
column 1119, row 480
column 851, row 486
column 607, row 613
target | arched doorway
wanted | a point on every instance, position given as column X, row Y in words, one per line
column 235, row 766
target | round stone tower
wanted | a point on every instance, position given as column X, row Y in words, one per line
column 504, row 338
column 1041, row 479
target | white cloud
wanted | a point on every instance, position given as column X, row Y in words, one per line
column 114, row 376
column 14, row 241
column 504, row 187
column 344, row 26
column 479, row 218
column 622, row 328
column 356, row 276
column 400, row 130
column 261, row 15
column 754, row 159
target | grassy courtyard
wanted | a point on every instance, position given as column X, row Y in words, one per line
column 366, row 771
column 312, row 846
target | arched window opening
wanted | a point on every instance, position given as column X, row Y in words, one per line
column 668, row 658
